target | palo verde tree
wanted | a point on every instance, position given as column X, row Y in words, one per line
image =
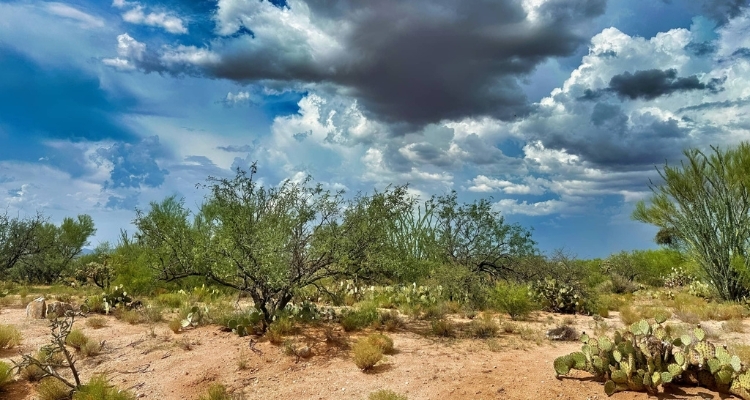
column 703, row 207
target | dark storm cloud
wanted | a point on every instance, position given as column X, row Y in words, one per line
column 650, row 84
column 741, row 102
column 701, row 48
column 415, row 62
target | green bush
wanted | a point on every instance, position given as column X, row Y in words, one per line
column 484, row 327
column 443, row 328
column 363, row 317
column 383, row 342
column 76, row 339
column 513, row 299
column 52, row 389
column 171, row 300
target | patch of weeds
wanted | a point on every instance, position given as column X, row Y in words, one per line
column 132, row 317
column 76, row 339
column 10, row 337
column 34, row 373
column 443, row 328
column 278, row 329
column 384, row 394
column 532, row 335
column 569, row 320
column 94, row 304
column 96, row 322
column 242, row 361
column 509, row 327
column 602, row 311
column 494, row 345
column 733, row 325
column 217, row 391
column 52, row 389
column 153, row 314
column 363, row 317
column 483, row 328
column 171, row 300
column 186, row 344
column 629, row 315
column 435, row 311
column 366, row 354
column 99, row 388
column 687, row 315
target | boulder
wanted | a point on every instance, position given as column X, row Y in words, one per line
column 304, row 352
column 57, row 309
column 37, row 309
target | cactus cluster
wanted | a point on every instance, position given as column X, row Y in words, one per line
column 645, row 357
column 560, row 297
column 244, row 325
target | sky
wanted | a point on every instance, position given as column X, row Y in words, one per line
column 558, row 111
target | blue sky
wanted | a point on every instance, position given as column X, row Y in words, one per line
column 558, row 110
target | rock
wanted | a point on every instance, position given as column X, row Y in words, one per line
column 58, row 308
column 304, row 352
column 37, row 309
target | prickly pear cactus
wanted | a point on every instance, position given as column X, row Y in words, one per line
column 644, row 358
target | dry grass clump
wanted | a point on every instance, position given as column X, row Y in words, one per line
column 217, row 391
column 742, row 351
column 366, row 354
column 96, row 322
column 733, row 325
column 483, row 328
column 391, row 321
column 91, row 348
column 52, row 389
column 175, row 325
column 278, row 329
column 629, row 315
column 99, row 388
column 10, row 337
column 76, row 339
column 132, row 317
column 384, row 394
column 509, row 327
column 443, row 328
column 384, row 342
column 6, row 374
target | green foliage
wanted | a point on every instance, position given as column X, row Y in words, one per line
column 172, row 300
column 34, row 250
column 6, row 374
column 117, row 297
column 359, row 318
column 366, row 354
column 10, row 337
column 99, row 388
column 560, row 297
column 385, row 394
column 513, row 299
column 483, row 328
column 640, row 266
column 703, row 208
column 645, row 356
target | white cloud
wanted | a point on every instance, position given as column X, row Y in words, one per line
column 129, row 47
column 118, row 63
column 235, row 98
column 190, row 55
column 510, row 207
column 66, row 11
column 136, row 15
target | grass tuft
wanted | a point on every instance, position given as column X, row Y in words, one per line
column 96, row 322
column 384, row 394
column 99, row 388
column 366, row 354
column 10, row 337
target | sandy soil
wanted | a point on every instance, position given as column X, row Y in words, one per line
column 155, row 363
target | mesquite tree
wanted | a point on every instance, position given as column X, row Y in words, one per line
column 703, row 207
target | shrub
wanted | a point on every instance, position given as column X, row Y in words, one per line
column 217, row 391
column 383, row 342
column 391, row 321
column 99, row 388
column 94, row 304
column 52, row 389
column 130, row 316
column 513, row 299
column 443, row 328
column 384, row 394
column 96, row 322
column 175, row 325
column 353, row 320
column 733, row 325
column 366, row 354
column 278, row 329
column 91, row 348
column 629, row 315
column 10, row 337
column 6, row 374
column 76, row 339
column 34, row 373
column 484, row 327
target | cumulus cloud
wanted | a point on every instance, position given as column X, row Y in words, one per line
column 134, row 13
column 410, row 63
column 133, row 165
